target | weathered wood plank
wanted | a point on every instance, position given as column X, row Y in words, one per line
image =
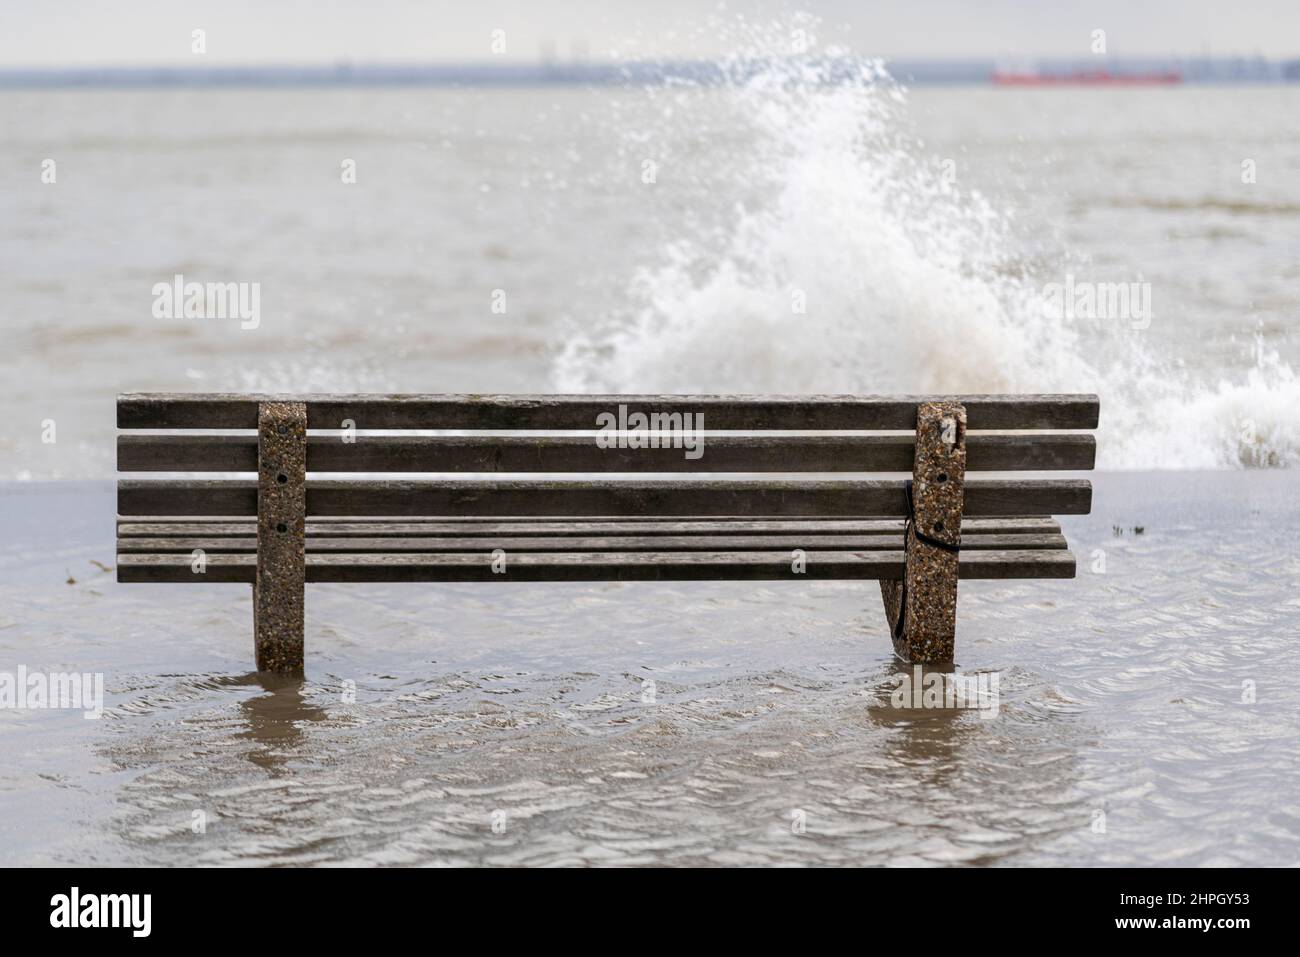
column 568, row 453
column 128, row 528
column 549, row 543
column 625, row 566
column 821, row 498
column 736, row 412
column 471, row 521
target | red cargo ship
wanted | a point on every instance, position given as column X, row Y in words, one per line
column 1084, row 78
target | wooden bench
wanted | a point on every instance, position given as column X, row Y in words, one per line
column 916, row 535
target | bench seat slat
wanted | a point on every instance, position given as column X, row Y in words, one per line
column 128, row 528
column 735, row 412
column 598, row 566
column 625, row 543
column 1008, row 452
column 811, row 497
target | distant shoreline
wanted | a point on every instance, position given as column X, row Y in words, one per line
column 1193, row 70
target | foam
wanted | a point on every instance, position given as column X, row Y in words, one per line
column 911, row 285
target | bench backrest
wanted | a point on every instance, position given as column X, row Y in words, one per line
column 567, row 465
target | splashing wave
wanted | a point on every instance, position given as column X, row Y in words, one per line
column 855, row 265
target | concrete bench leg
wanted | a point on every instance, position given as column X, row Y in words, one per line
column 922, row 608
column 279, row 593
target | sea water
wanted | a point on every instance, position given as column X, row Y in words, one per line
column 773, row 234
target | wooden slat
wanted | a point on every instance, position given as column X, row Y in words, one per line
column 735, row 412
column 625, row 566
column 623, row 543
column 560, row 453
column 472, row 520
column 821, row 498
column 369, row 528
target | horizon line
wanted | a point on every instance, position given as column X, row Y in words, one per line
column 1195, row 68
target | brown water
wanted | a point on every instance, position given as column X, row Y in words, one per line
column 770, row 735
column 912, row 284
column 1120, row 693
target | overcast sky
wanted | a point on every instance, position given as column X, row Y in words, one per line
column 91, row 32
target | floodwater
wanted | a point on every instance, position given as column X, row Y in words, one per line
column 503, row 240
column 1146, row 714
column 774, row 235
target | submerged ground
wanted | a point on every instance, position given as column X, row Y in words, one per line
column 1148, row 713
